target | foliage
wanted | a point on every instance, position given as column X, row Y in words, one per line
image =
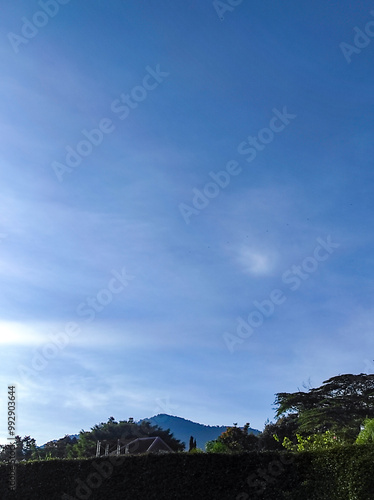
column 125, row 431
column 366, row 435
column 192, row 444
column 233, row 439
column 85, row 446
column 25, row 449
column 237, row 439
column 57, row 449
column 341, row 473
column 285, row 426
column 314, row 442
column 340, row 404
column 216, row 446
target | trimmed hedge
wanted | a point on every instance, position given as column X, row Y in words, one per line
column 339, row 474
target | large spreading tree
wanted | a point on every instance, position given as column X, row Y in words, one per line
column 341, row 404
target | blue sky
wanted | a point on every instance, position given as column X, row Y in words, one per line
column 166, row 172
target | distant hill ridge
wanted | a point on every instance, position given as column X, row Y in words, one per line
column 182, row 429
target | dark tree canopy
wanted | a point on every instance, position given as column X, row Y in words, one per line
column 341, row 403
column 192, row 445
column 59, row 448
column 285, row 426
column 125, row 431
column 237, row 439
column 25, row 449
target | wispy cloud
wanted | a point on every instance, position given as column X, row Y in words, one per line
column 161, row 338
column 255, row 261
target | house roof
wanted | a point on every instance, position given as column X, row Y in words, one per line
column 147, row 445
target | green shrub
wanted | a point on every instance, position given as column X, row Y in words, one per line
column 340, row 473
column 314, row 442
column 216, row 447
column 366, row 435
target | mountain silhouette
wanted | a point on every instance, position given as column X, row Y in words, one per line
column 182, row 429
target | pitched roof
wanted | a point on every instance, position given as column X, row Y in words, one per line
column 147, row 445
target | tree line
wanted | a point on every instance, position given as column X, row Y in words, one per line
column 340, row 411
column 108, row 433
